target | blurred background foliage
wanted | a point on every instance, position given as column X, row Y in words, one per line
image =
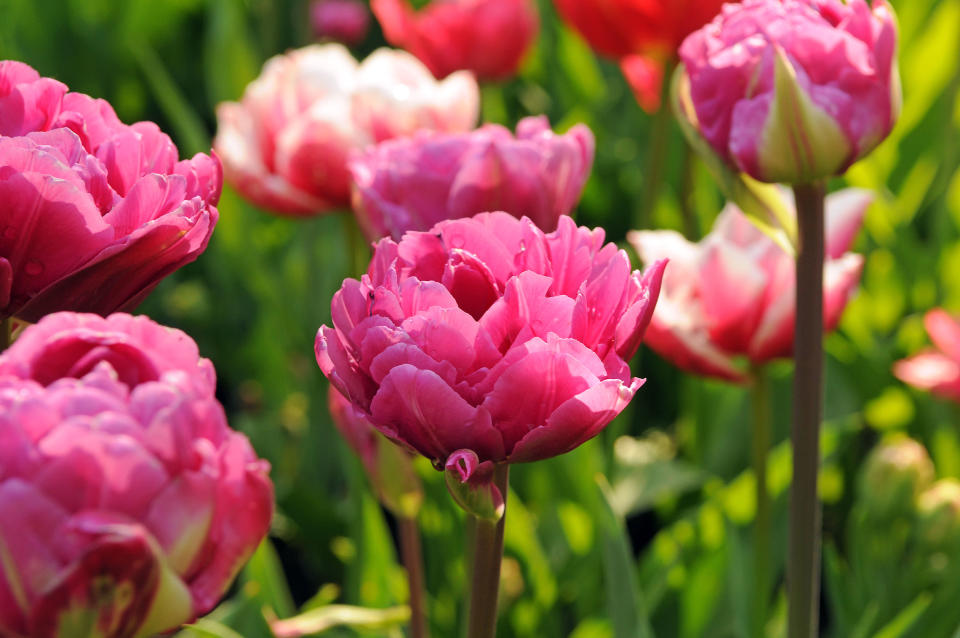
column 644, row 531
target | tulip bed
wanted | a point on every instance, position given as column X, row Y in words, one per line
column 632, row 367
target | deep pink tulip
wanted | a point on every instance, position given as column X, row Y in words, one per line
column 485, row 334
column 414, row 183
column 94, row 212
column 345, row 21
column 936, row 370
column 732, row 294
column 285, row 145
column 488, row 37
column 795, row 90
column 126, row 502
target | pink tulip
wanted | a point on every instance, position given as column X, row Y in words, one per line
column 487, row 335
column 285, row 145
column 936, row 370
column 488, row 37
column 412, row 184
column 732, row 294
column 344, row 21
column 95, row 212
column 127, row 505
column 795, row 90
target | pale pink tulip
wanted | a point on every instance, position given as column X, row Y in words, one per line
column 936, row 370
column 487, row 335
column 94, row 212
column 126, row 502
column 794, row 90
column 285, row 145
column 488, row 37
column 413, row 183
column 732, row 294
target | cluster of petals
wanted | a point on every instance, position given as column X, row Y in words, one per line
column 285, row 145
column 414, row 183
column 487, row 335
column 795, row 90
column 96, row 212
column 488, row 37
column 344, row 21
column 642, row 34
column 126, row 502
column 936, row 370
column 733, row 293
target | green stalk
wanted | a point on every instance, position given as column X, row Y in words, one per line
column 487, row 554
column 760, row 398
column 657, row 154
column 803, row 558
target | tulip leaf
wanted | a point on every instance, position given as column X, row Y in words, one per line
column 204, row 628
column 321, row 619
column 265, row 571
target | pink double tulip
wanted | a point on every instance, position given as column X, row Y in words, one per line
column 794, row 90
column 732, row 294
column 936, row 370
column 488, row 338
column 95, row 212
column 285, row 145
column 127, row 505
column 344, row 21
column 488, row 37
column 414, row 183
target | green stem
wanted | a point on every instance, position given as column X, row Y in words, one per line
column 691, row 226
column 412, row 554
column 657, row 155
column 760, row 398
column 357, row 249
column 803, row 558
column 485, row 575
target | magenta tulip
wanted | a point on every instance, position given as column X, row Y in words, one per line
column 936, row 370
column 794, row 90
column 487, row 335
column 488, row 37
column 732, row 294
column 285, row 145
column 95, row 212
column 127, row 505
column 344, row 21
column 414, row 183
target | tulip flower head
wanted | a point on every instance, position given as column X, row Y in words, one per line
column 488, row 338
column 488, row 37
column 794, row 91
column 414, row 183
column 732, row 294
column 285, row 145
column 127, row 505
column 95, row 212
column 345, row 21
column 936, row 370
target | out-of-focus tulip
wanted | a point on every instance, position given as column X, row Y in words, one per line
column 487, row 335
column 389, row 468
column 936, row 370
column 642, row 34
column 938, row 515
column 285, row 145
column 345, row 21
column 127, row 505
column 488, row 37
column 732, row 294
column 893, row 477
column 414, row 183
column 792, row 90
column 95, row 212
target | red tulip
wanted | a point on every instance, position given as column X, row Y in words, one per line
column 488, row 37
column 93, row 213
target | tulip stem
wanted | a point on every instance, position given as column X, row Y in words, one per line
column 803, row 558
column 760, row 398
column 412, row 555
column 356, row 255
column 657, row 155
column 5, row 334
column 485, row 575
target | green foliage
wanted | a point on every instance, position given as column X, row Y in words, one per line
column 641, row 532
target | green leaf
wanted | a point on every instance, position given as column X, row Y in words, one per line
column 204, row 628
column 265, row 572
column 905, row 619
column 321, row 619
